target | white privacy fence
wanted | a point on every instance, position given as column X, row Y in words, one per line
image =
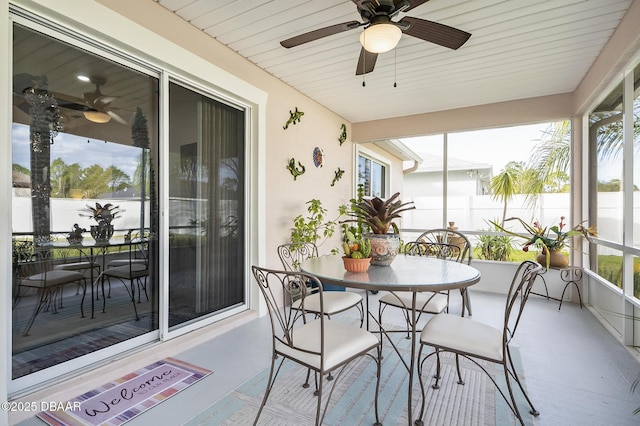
column 65, row 212
column 472, row 213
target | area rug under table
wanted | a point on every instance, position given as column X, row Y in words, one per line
column 121, row 400
column 477, row 403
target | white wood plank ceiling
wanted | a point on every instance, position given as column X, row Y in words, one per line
column 518, row 49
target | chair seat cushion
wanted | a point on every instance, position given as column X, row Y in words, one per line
column 342, row 342
column 127, row 272
column 76, row 266
column 435, row 302
column 334, row 301
column 463, row 335
column 122, row 262
column 52, row 278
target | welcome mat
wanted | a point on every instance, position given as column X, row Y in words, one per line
column 476, row 403
column 121, row 400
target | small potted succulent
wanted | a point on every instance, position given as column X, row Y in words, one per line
column 357, row 253
column 379, row 216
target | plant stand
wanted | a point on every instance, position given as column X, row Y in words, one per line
column 570, row 275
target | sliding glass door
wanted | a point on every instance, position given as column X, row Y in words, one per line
column 85, row 205
column 85, row 155
column 206, row 210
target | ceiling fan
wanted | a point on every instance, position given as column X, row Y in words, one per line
column 382, row 34
column 94, row 106
column 99, row 104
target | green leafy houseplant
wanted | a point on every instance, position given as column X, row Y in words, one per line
column 494, row 247
column 315, row 227
column 378, row 214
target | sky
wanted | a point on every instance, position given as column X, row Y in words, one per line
column 75, row 149
column 492, row 146
column 498, row 146
column 495, row 146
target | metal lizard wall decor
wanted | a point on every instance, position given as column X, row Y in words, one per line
column 295, row 171
column 338, row 175
column 294, row 118
column 343, row 136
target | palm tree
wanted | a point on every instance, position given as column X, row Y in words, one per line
column 506, row 184
column 553, row 154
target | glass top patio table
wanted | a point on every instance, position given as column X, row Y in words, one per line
column 406, row 273
column 90, row 249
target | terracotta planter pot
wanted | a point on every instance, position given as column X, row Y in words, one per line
column 557, row 259
column 356, row 265
column 384, row 248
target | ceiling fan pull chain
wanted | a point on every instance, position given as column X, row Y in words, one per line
column 395, row 66
column 364, row 60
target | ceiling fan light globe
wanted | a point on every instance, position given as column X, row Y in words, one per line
column 97, row 116
column 380, row 38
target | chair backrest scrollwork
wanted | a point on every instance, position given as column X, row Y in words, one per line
column 284, row 321
column 451, row 238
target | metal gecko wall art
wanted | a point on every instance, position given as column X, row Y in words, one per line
column 295, row 171
column 294, row 118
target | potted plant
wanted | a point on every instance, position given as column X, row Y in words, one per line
column 357, row 253
column 103, row 215
column 316, row 227
column 379, row 216
column 551, row 240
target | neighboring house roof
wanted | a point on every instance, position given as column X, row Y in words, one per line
column 20, row 180
column 433, row 163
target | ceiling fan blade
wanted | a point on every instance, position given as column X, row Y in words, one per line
column 116, row 117
column 71, row 102
column 366, row 62
column 320, row 33
column 414, row 3
column 105, row 100
column 434, row 32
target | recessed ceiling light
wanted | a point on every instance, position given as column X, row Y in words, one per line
column 84, row 78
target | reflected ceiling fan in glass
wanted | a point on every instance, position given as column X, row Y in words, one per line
column 97, row 116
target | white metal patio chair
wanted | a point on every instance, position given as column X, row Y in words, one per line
column 450, row 236
column 475, row 341
column 427, row 301
column 321, row 345
column 291, row 256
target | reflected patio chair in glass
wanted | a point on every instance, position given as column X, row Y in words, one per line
column 39, row 274
column 291, row 256
column 70, row 261
column 133, row 272
column 72, row 258
column 426, row 301
column 477, row 342
column 321, row 345
column 139, row 257
column 449, row 236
